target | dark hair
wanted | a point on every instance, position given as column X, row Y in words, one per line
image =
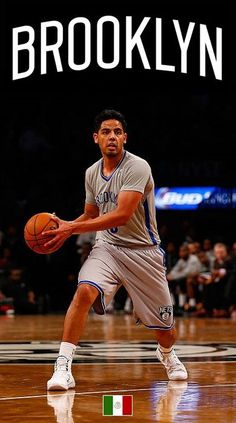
column 106, row 115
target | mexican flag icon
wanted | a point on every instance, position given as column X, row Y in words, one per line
column 117, row 405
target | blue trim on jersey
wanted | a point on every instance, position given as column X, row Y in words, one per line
column 99, row 289
column 107, row 178
column 160, row 327
column 147, row 222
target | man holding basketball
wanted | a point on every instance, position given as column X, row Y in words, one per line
column 120, row 207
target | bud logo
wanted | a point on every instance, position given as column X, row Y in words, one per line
column 181, row 197
column 177, row 198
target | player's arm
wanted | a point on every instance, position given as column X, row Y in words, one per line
column 126, row 205
column 91, row 211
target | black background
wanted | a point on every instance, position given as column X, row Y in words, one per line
column 181, row 123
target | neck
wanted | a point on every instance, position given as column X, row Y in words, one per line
column 110, row 163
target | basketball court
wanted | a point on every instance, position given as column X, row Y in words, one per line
column 117, row 358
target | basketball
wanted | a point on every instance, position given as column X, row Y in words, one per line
column 33, row 229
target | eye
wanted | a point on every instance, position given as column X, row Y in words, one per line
column 118, row 131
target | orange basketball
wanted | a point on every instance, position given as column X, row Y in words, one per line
column 33, row 229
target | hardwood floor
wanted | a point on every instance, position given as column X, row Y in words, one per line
column 117, row 358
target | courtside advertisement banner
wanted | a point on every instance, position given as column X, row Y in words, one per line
column 195, row 198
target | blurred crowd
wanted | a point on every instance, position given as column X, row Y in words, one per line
column 201, row 275
column 202, row 278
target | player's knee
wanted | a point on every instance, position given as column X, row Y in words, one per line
column 85, row 295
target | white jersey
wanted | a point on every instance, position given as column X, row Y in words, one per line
column 131, row 174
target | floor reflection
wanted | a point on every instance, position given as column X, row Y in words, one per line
column 167, row 402
column 62, row 404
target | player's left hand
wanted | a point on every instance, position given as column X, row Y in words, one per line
column 60, row 234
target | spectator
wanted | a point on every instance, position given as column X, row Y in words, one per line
column 230, row 289
column 187, row 265
column 171, row 256
column 85, row 238
column 194, row 247
column 14, row 241
column 215, row 303
column 6, row 303
column 233, row 250
column 194, row 283
column 5, row 258
column 18, row 288
column 208, row 248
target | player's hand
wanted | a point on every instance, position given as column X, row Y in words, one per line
column 60, row 234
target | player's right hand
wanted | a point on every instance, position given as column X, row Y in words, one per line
column 60, row 234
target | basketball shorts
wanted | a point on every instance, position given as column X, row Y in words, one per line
column 143, row 274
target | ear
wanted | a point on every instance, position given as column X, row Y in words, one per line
column 95, row 137
column 125, row 140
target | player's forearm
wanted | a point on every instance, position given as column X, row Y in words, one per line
column 82, row 218
column 106, row 221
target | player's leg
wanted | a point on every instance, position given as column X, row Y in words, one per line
column 166, row 338
column 96, row 287
column 166, row 354
column 74, row 323
column 148, row 288
column 77, row 313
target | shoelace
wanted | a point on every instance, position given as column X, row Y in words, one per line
column 175, row 363
column 62, row 364
column 172, row 360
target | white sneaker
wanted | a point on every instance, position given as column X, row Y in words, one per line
column 62, row 405
column 174, row 368
column 62, row 378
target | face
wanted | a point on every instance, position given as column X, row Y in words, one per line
column 110, row 138
column 15, row 275
column 202, row 257
column 184, row 252
column 220, row 252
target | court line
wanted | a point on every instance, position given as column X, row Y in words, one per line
column 190, row 386
column 116, row 363
column 76, row 393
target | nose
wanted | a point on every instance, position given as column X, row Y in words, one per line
column 112, row 135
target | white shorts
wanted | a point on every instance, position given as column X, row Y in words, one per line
column 143, row 274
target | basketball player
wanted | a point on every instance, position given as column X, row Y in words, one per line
column 120, row 207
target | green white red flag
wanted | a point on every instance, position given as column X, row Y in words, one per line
column 117, row 405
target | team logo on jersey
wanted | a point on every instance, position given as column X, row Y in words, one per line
column 165, row 312
column 106, row 197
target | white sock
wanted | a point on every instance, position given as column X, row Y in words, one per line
column 192, row 302
column 67, row 349
column 182, row 300
column 128, row 304
column 172, row 298
column 164, row 350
